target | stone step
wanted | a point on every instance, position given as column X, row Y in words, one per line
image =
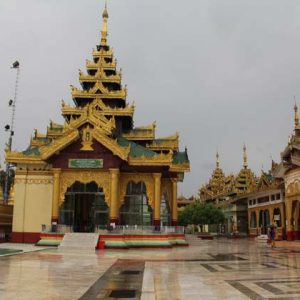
column 82, row 241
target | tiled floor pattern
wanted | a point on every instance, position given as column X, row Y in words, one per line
column 122, row 280
column 218, row 269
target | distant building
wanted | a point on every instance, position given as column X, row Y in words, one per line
column 289, row 170
column 229, row 193
column 182, row 202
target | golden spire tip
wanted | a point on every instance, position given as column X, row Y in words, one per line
column 245, row 156
column 296, row 116
column 217, row 160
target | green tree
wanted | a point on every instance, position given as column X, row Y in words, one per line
column 201, row 214
column 11, row 178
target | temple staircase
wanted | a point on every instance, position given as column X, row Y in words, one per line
column 79, row 241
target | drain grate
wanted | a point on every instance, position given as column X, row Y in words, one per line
column 122, row 294
column 130, row 272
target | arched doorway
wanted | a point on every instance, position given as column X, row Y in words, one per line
column 277, row 217
column 253, row 223
column 135, row 209
column 84, row 207
column 264, row 221
column 165, row 216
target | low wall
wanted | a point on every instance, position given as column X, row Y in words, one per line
column 126, row 241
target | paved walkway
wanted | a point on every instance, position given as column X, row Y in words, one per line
column 217, row 269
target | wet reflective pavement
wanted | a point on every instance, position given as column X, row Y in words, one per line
column 217, row 269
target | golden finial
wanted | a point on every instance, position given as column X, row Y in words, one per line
column 217, row 160
column 245, row 157
column 296, row 116
column 104, row 26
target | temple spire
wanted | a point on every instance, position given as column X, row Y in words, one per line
column 296, row 116
column 104, row 26
column 217, row 160
column 245, row 157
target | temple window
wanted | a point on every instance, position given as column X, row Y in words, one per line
column 136, row 210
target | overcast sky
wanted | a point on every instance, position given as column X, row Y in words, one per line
column 220, row 72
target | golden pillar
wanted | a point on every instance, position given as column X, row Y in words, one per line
column 289, row 225
column 55, row 196
column 157, row 198
column 282, row 215
column 114, row 195
column 271, row 213
column 174, row 202
column 296, row 220
column 257, row 221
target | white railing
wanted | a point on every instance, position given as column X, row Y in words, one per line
column 60, row 228
column 118, row 229
column 2, row 236
column 136, row 229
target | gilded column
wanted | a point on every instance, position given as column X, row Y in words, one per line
column 174, row 202
column 271, row 213
column 157, row 198
column 296, row 221
column 289, row 226
column 55, row 197
column 257, row 221
column 114, row 195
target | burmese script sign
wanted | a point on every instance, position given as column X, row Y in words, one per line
column 86, row 163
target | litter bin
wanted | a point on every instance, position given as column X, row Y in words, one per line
column 101, row 245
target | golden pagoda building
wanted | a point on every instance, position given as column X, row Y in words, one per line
column 218, row 186
column 230, row 195
column 289, row 170
column 96, row 168
column 245, row 180
column 235, row 207
column 266, row 205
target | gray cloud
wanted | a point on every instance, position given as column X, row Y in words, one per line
column 220, row 72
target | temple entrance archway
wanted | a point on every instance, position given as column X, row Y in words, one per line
column 264, row 221
column 84, row 207
column 136, row 209
column 165, row 215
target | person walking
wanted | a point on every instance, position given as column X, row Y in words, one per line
column 272, row 236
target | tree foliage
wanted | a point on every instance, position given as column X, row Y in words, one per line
column 201, row 214
column 11, row 178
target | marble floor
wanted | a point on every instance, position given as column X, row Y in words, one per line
column 216, row 269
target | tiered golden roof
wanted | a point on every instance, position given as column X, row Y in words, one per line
column 221, row 186
column 290, row 156
column 218, row 184
column 245, row 181
column 101, row 113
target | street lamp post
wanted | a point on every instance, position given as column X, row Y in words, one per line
column 10, row 128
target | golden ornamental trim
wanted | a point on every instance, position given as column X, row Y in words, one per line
column 156, row 160
column 33, row 181
column 293, row 188
column 102, row 178
column 58, row 144
column 112, row 145
column 88, row 115
column 90, row 65
column 102, row 53
column 100, row 76
column 76, row 93
column 180, row 167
